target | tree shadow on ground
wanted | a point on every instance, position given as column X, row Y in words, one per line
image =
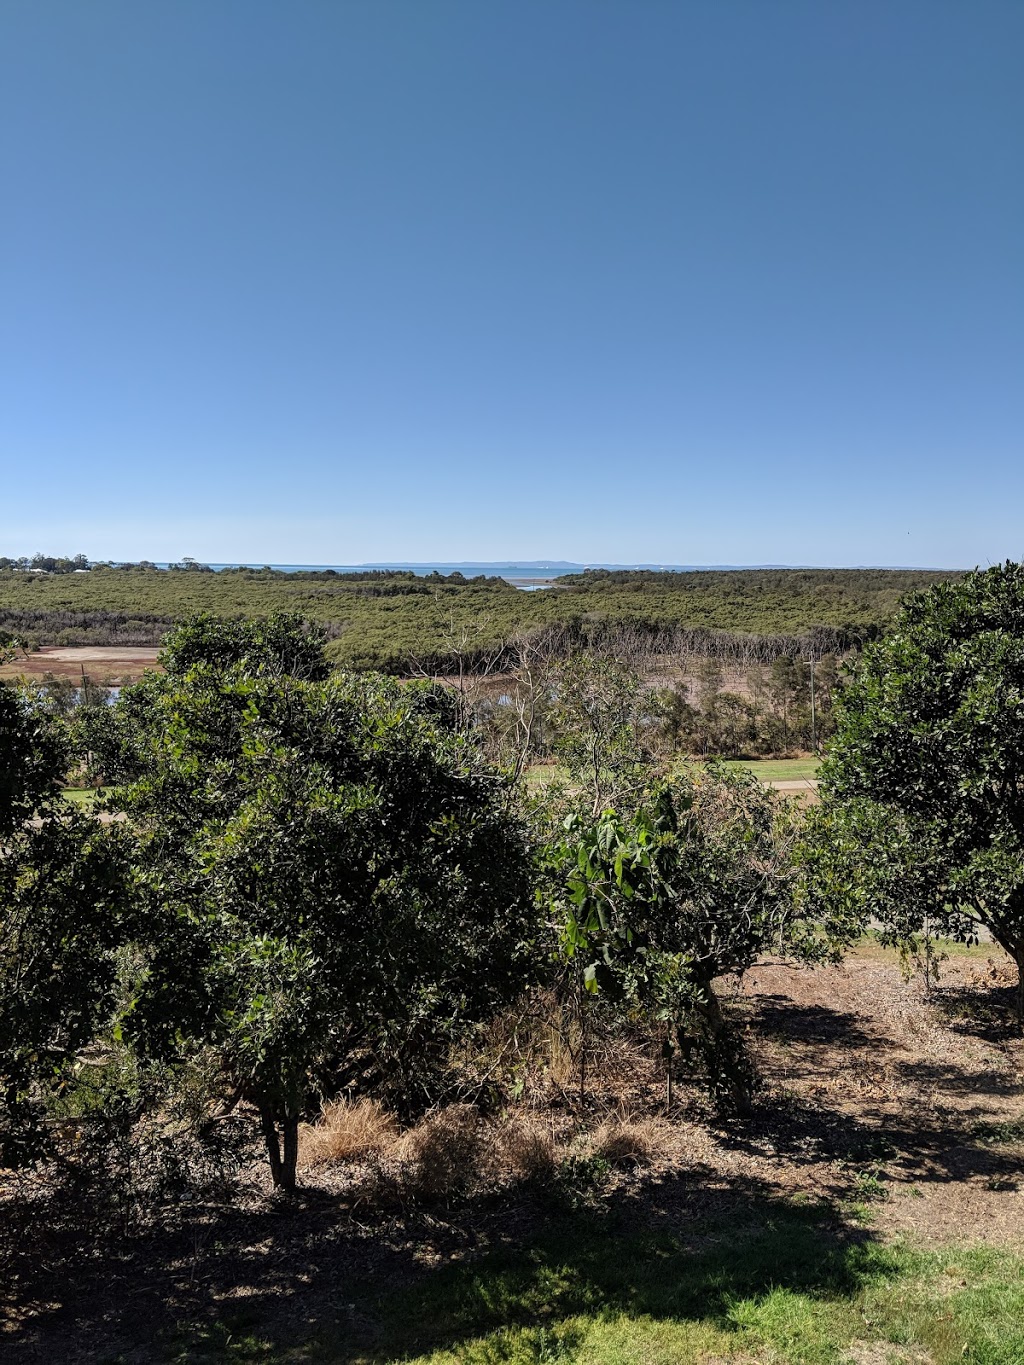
column 919, row 1127
column 734, row 1246
column 988, row 1012
column 910, row 1149
column 986, row 1083
column 319, row 1277
column 303, row 1276
column 774, row 1016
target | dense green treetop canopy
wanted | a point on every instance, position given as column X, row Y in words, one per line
column 63, row 909
column 927, row 765
column 335, row 883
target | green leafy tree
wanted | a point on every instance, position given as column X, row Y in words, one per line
column 33, row 757
column 923, row 790
column 336, row 888
column 596, row 718
column 281, row 643
column 63, row 883
column 693, row 885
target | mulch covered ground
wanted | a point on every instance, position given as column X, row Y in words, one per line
column 876, row 1098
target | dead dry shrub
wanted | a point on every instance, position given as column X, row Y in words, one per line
column 623, row 1141
column 525, row 1148
column 441, row 1156
column 348, row 1130
column 529, row 1045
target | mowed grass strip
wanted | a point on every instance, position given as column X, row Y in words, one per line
column 780, row 769
column 782, row 1285
column 766, row 769
column 768, row 1295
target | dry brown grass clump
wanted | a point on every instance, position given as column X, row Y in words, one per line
column 525, row 1148
column 624, row 1141
column 441, row 1155
column 348, row 1130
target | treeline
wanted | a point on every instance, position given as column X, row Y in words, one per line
column 746, row 582
column 396, row 622
column 635, row 640
column 44, row 564
column 523, row 716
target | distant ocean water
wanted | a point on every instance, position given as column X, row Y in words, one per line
column 529, row 575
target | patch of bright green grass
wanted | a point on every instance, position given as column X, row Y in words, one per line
column 81, row 796
column 776, row 1284
column 767, row 769
column 544, row 774
column 780, row 769
column 942, row 947
column 775, row 1294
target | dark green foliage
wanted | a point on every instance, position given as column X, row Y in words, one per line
column 336, row 889
column 693, row 885
column 33, row 755
column 274, row 645
column 62, row 915
column 923, row 811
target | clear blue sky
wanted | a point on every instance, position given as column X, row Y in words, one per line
column 709, row 281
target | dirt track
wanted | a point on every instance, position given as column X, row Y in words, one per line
column 103, row 663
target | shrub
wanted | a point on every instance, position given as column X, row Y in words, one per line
column 525, row 1148
column 348, row 1130
column 337, row 890
column 442, row 1153
column 625, row 1141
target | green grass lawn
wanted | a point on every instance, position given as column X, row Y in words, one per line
column 767, row 769
column 869, row 946
column 81, row 796
column 543, row 774
column 780, row 1284
column 780, row 769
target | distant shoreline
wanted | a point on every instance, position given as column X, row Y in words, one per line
column 544, row 571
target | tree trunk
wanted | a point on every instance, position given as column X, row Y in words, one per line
column 725, row 1053
column 272, row 1142
column 291, row 1152
column 1016, row 951
column 583, row 1052
column 1015, row 947
column 282, row 1162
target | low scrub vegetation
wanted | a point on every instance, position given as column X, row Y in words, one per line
column 397, row 622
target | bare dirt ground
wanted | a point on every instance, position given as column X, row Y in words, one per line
column 892, row 1109
column 803, row 790
column 113, row 664
column 915, row 1090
